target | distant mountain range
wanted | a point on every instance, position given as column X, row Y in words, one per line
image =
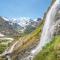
column 22, row 21
column 12, row 27
column 6, row 28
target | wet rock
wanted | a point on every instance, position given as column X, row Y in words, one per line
column 55, row 30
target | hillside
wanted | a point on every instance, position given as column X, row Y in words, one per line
column 51, row 51
column 29, row 42
column 17, row 26
column 30, row 39
column 6, row 28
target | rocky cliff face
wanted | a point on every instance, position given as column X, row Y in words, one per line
column 55, row 30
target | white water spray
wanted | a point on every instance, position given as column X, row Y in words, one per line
column 8, row 57
column 46, row 34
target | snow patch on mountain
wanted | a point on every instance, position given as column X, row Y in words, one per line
column 5, row 18
column 22, row 21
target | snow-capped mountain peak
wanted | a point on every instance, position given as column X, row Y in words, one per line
column 5, row 18
column 22, row 21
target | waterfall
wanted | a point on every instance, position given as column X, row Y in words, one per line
column 46, row 33
column 8, row 57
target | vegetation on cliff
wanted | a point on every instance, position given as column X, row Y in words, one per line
column 51, row 51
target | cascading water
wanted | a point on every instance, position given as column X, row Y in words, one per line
column 46, row 33
column 8, row 57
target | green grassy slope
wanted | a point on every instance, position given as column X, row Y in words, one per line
column 51, row 51
column 2, row 48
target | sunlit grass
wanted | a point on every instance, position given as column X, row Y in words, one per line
column 2, row 48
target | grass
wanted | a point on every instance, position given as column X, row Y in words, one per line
column 3, row 45
column 51, row 51
column 2, row 48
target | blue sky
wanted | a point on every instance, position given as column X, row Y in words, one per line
column 23, row 8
